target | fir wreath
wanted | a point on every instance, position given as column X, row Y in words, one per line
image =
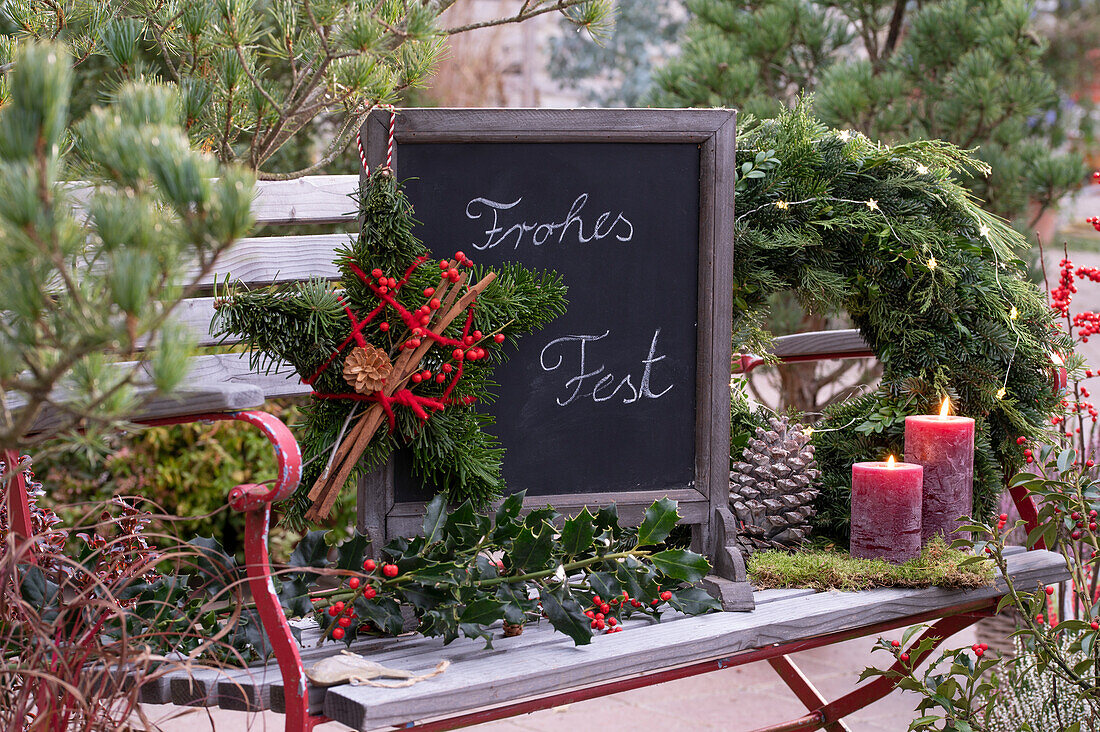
column 309, row 325
column 931, row 280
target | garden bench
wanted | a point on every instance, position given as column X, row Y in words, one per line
column 539, row 668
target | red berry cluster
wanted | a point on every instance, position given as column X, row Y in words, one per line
column 343, row 612
column 1080, row 523
column 979, row 649
column 607, row 615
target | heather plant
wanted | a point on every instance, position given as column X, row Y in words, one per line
column 88, row 616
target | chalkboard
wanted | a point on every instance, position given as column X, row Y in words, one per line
column 603, row 399
column 634, row 208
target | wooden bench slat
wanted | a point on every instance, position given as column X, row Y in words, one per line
column 315, row 199
column 265, row 260
column 510, row 675
column 830, row 342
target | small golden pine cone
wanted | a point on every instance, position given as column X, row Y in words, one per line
column 365, row 369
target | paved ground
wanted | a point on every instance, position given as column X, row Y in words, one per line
column 737, row 699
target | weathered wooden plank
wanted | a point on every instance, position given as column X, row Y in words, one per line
column 836, row 343
column 260, row 261
column 193, row 398
column 314, row 199
column 512, row 673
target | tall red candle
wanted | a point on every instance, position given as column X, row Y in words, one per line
column 944, row 446
column 886, row 510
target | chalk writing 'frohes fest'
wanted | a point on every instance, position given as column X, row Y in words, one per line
column 572, row 354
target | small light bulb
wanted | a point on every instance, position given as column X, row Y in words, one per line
column 1001, row 393
column 1013, row 313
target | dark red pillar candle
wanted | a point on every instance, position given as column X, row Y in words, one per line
column 944, row 446
column 886, row 511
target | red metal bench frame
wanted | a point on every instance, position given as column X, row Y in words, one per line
column 255, row 502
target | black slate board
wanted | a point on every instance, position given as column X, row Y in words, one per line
column 620, row 222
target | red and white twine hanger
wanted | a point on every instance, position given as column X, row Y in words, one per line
column 389, row 141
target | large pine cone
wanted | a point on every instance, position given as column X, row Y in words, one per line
column 773, row 488
column 366, row 369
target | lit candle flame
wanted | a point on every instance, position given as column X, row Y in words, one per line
column 945, row 408
column 890, row 461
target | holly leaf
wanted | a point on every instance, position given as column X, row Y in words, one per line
column 604, row 584
column 383, row 612
column 482, row 611
column 566, row 615
column 421, row 597
column 694, row 601
column 515, row 601
column 510, row 508
column 578, row 533
column 681, row 564
column 312, row 551
column 350, row 554
column 434, row 518
column 607, row 519
column 530, row 550
column 294, row 597
column 461, row 527
column 658, row 522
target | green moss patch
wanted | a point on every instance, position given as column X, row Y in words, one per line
column 837, row 570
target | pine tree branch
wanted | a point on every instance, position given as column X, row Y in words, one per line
column 523, row 14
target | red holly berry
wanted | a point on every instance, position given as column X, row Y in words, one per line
column 1021, row 440
column 448, row 368
column 499, row 338
column 477, row 335
column 1075, row 534
column 353, row 583
column 369, row 593
column 596, row 600
column 435, row 304
column 333, row 611
column 1089, row 463
column 338, row 633
column 979, row 653
column 593, row 623
column 1027, row 453
column 590, row 614
column 383, row 290
column 896, row 644
column 416, row 378
column 444, row 264
column 984, row 646
column 654, row 602
column 1050, row 590
column 605, row 608
column 457, row 354
column 1003, row 517
column 390, row 570
column 468, row 340
column 412, row 343
column 429, row 291
column 904, row 657
column 344, row 622
column 600, row 625
column 339, row 605
column 1094, row 625
column 383, row 326
column 369, row 565
column 666, row 595
column 440, row 378
column 612, row 622
column 376, row 272
column 1039, row 619
column 459, row 255
column 1092, row 526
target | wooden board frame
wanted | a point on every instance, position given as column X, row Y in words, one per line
column 704, row 505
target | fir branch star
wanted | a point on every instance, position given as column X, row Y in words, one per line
column 782, row 205
column 872, row 204
column 983, row 231
column 932, row 263
column 844, row 135
column 922, row 169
